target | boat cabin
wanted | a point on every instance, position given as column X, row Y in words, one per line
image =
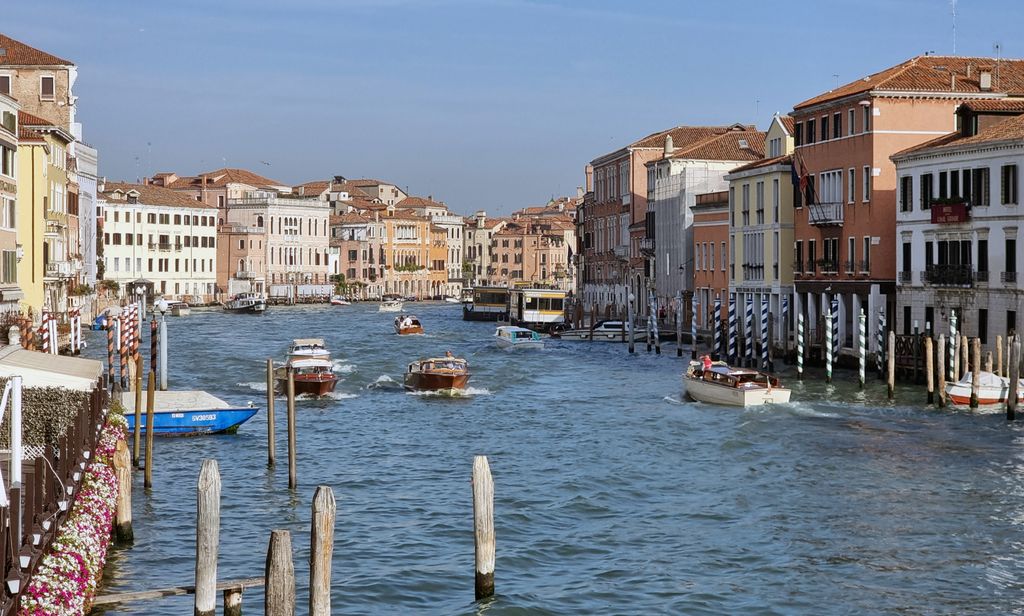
column 735, row 377
column 308, row 347
column 540, row 309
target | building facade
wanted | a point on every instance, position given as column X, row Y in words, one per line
column 454, row 228
column 478, row 254
column 711, row 259
column 10, row 292
column 151, row 234
column 959, row 226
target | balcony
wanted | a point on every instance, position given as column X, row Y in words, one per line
column 981, row 276
column 906, row 277
column 825, row 214
column 1008, row 277
column 949, row 275
column 59, row 269
column 160, row 246
column 245, row 275
column 829, row 266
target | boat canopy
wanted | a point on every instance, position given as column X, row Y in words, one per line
column 308, row 342
column 311, row 362
column 180, row 401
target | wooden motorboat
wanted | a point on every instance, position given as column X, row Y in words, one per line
column 337, row 300
column 992, row 389
column 246, row 303
column 391, row 305
column 721, row 384
column 189, row 413
column 308, row 348
column 603, row 331
column 313, row 376
column 180, row 309
column 406, row 324
column 512, row 337
column 447, row 374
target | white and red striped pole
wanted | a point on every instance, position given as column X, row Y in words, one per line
column 44, row 332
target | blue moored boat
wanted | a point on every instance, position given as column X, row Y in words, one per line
column 190, row 413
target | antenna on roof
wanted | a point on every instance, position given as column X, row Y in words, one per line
column 997, row 47
column 952, row 4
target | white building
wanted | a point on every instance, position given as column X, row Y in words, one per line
column 476, row 249
column 159, row 235
column 958, row 223
column 88, row 170
column 673, row 183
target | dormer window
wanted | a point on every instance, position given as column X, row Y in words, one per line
column 133, row 198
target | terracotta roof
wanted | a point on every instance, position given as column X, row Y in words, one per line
column 1009, row 105
column 788, row 123
column 151, row 195
column 17, row 53
column 727, row 146
column 1009, row 129
column 349, row 218
column 406, row 215
column 933, row 74
column 222, row 177
column 682, row 137
column 310, row 189
column 369, row 182
column 27, row 122
column 765, row 162
column 411, row 202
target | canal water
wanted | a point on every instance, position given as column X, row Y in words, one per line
column 613, row 495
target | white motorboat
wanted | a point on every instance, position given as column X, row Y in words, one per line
column 337, row 300
column 511, row 337
column 452, row 300
column 992, row 389
column 391, row 305
column 603, row 331
column 720, row 384
column 308, row 348
column 180, row 309
column 252, row 303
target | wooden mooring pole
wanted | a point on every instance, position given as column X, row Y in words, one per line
column 123, row 533
column 271, row 445
column 321, row 551
column 891, row 358
column 279, row 598
column 965, row 352
column 929, row 368
column 999, row 356
column 207, row 538
column 150, row 412
column 941, row 369
column 975, row 371
column 1014, row 370
column 292, row 478
column 989, row 361
column 483, row 526
column 137, row 428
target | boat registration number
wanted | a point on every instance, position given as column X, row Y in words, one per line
column 177, row 415
column 203, row 417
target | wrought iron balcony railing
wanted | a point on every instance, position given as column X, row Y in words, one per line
column 949, row 275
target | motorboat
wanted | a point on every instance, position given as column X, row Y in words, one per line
column 313, row 376
column 189, row 413
column 308, row 348
column 180, row 309
column 249, row 303
column 337, row 300
column 406, row 324
column 391, row 305
column 446, row 374
column 608, row 330
column 452, row 300
column 992, row 389
column 718, row 383
column 512, row 337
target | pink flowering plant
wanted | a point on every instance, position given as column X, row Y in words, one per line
column 68, row 575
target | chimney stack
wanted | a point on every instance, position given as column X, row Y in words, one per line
column 669, row 146
column 985, row 80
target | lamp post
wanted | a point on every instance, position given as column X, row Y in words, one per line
column 161, row 305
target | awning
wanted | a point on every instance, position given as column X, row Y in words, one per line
column 44, row 370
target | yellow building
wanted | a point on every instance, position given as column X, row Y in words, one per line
column 44, row 271
column 415, row 254
column 761, row 234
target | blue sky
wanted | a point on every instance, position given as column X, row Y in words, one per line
column 485, row 104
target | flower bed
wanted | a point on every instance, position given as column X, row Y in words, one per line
column 68, row 575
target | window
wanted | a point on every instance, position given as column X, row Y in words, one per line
column 723, row 256
column 798, row 133
column 865, row 262
column 851, row 184
column 983, row 256
column 979, row 186
column 943, row 185
column 867, row 185
column 711, row 256
column 798, row 255
column 220, row 203
column 1011, row 255
column 760, row 203
column 810, row 131
column 850, row 115
column 7, row 214
column 851, row 254
column 10, row 267
column 5, row 84
column 46, row 91
column 908, row 258
column 837, row 125
column 7, row 160
column 775, row 201
column 746, row 205
column 954, row 184
column 824, row 128
column 1011, row 320
column 129, row 239
column 906, row 193
column 1008, row 185
column 926, row 191
column 866, row 127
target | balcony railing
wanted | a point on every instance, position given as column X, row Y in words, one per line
column 811, row 267
column 981, row 276
column 59, row 269
column 906, row 277
column 949, row 275
column 245, row 275
column 825, row 214
column 849, row 266
column 1008, row 276
column 865, row 266
column 828, row 266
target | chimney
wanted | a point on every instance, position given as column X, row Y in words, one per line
column 669, row 146
column 985, row 80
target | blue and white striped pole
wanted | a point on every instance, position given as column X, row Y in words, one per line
column 800, row 346
column 693, row 325
column 764, row 332
column 750, row 331
column 862, row 345
column 732, row 328
column 828, row 345
column 785, row 326
column 952, row 346
column 717, row 320
column 880, row 339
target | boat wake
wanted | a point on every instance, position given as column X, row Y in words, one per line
column 255, row 386
column 384, row 382
column 465, row 393
column 339, row 366
column 334, row 395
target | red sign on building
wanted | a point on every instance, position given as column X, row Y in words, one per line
column 950, row 213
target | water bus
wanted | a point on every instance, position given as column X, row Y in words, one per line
column 537, row 309
column 486, row 304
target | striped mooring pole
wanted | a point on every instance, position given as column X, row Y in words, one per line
column 125, row 337
column 693, row 325
column 732, row 329
column 110, row 351
column 44, row 331
column 764, row 333
column 880, row 339
column 828, row 345
column 717, row 320
column 835, row 328
column 952, row 346
column 862, row 342
column 800, row 346
column 750, row 331
column 152, row 344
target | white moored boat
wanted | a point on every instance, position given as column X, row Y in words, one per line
column 511, row 337
column 993, row 389
column 337, row 300
column 391, row 305
column 721, row 384
column 603, row 331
